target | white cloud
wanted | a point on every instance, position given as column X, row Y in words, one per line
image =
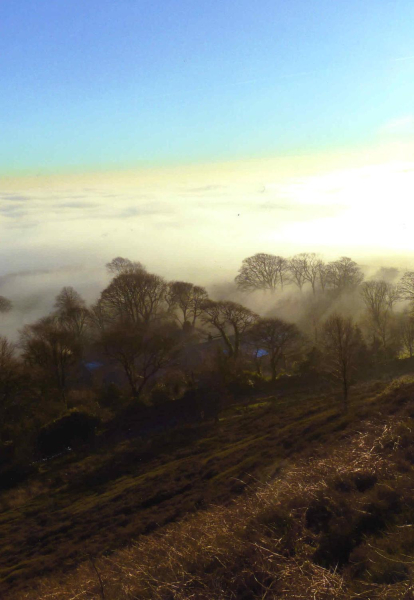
column 197, row 223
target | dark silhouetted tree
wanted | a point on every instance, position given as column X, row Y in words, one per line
column 262, row 272
column 141, row 350
column 11, row 379
column 281, row 340
column 120, row 265
column 314, row 271
column 343, row 275
column 231, row 320
column 406, row 333
column 52, row 349
column 342, row 347
column 406, row 286
column 297, row 270
column 379, row 298
column 188, row 299
column 322, row 276
column 71, row 311
column 136, row 297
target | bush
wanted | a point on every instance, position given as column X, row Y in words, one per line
column 111, row 397
column 245, row 381
column 84, row 401
column 170, row 386
column 73, row 429
column 160, row 394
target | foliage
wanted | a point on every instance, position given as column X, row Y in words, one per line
column 120, row 265
column 343, row 347
column 343, row 275
column 52, row 349
column 133, row 296
column 141, row 351
column 72, row 429
column 11, row 381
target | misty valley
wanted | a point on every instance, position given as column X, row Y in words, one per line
column 206, row 300
column 163, row 410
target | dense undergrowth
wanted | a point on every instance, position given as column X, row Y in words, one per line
column 327, row 509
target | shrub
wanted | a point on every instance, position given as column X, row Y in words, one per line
column 245, row 381
column 73, row 429
column 111, row 397
column 160, row 394
column 83, row 400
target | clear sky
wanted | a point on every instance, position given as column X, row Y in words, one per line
column 189, row 134
column 120, row 84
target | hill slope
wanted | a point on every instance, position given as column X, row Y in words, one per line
column 320, row 520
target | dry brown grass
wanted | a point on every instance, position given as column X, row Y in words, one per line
column 273, row 542
column 16, row 497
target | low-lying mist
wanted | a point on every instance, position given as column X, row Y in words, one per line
column 33, row 293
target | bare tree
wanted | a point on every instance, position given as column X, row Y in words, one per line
column 322, row 275
column 262, row 272
column 297, row 269
column 375, row 296
column 379, row 298
column 71, row 311
column 314, row 268
column 188, row 299
column 342, row 345
column 393, row 295
column 281, row 341
column 52, row 349
column 307, row 267
column 120, row 265
column 406, row 332
column 99, row 318
column 227, row 316
column 136, row 297
column 343, row 275
column 10, row 379
column 406, row 286
column 140, row 350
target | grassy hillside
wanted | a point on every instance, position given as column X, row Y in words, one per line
column 305, row 497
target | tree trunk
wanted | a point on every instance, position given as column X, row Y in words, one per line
column 345, row 395
column 273, row 365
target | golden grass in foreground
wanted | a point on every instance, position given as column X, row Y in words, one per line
column 329, row 528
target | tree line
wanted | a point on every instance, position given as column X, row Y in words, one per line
column 141, row 325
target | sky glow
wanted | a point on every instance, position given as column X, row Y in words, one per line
column 191, row 135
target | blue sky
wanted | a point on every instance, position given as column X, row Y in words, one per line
column 189, row 135
column 118, row 84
